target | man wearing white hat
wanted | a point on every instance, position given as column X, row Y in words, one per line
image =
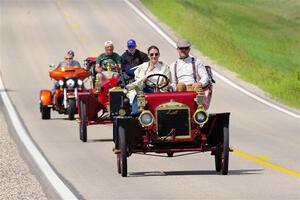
column 108, row 64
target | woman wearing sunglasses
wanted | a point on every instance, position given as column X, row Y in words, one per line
column 153, row 66
column 143, row 74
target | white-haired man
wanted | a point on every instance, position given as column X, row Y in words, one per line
column 108, row 64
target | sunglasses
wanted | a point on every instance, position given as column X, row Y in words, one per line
column 154, row 54
column 184, row 48
column 68, row 58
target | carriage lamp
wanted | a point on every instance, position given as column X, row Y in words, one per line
column 200, row 117
column 141, row 101
column 79, row 82
column 199, row 99
column 146, row 118
column 61, row 82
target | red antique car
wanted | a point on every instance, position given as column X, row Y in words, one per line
column 99, row 104
column 172, row 122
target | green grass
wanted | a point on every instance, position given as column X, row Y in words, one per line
column 258, row 39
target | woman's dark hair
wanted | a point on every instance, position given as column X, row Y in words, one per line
column 153, row 47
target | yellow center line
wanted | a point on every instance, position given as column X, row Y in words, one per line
column 263, row 157
column 66, row 13
column 94, row 53
column 266, row 163
column 74, row 25
column 83, row 38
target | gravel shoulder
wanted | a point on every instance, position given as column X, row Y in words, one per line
column 16, row 179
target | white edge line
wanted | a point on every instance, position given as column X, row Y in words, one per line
column 63, row 191
column 229, row 82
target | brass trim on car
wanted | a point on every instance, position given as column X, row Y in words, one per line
column 116, row 89
column 141, row 102
column 171, row 106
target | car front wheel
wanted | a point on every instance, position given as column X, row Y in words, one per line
column 122, row 155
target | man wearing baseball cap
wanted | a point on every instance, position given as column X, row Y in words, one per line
column 108, row 63
column 187, row 72
column 132, row 57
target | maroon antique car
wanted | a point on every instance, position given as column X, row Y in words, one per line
column 100, row 103
column 172, row 122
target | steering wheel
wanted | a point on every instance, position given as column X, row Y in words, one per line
column 162, row 81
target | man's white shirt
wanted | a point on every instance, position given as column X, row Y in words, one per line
column 185, row 72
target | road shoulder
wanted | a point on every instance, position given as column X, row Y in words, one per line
column 20, row 178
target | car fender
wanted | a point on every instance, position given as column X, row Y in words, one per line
column 45, row 97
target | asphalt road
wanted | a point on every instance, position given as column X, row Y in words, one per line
column 35, row 34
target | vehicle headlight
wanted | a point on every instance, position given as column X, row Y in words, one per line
column 79, row 82
column 61, row 82
column 200, row 116
column 70, row 83
column 146, row 118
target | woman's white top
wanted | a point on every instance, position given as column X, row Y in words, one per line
column 143, row 71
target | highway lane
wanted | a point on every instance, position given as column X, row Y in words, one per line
column 37, row 33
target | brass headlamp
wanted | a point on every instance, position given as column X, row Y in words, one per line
column 200, row 116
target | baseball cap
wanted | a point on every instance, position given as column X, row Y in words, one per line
column 108, row 43
column 131, row 43
column 183, row 43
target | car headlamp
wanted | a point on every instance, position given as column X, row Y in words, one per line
column 61, row 82
column 200, row 117
column 70, row 83
column 146, row 118
column 79, row 82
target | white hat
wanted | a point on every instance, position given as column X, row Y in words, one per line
column 108, row 43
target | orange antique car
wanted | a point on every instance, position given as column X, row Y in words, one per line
column 64, row 97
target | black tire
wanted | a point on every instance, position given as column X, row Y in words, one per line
column 170, row 154
column 45, row 112
column 71, row 109
column 119, row 163
column 218, row 160
column 82, row 124
column 225, row 156
column 222, row 153
column 115, row 134
column 122, row 160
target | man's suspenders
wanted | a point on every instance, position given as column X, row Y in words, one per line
column 194, row 71
column 175, row 72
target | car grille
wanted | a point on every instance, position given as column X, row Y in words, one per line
column 177, row 119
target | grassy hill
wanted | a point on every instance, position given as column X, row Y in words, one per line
column 259, row 39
